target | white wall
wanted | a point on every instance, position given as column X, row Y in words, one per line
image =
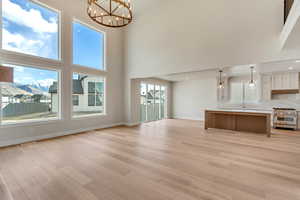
column 192, row 97
column 180, row 36
column 114, row 81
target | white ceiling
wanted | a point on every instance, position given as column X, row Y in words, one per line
column 240, row 70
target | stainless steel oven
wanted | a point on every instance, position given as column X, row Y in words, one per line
column 285, row 118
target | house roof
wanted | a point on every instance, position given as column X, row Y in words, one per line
column 77, row 87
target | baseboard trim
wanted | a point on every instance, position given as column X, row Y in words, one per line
column 188, row 118
column 54, row 135
column 132, row 124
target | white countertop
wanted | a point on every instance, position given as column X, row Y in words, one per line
column 241, row 110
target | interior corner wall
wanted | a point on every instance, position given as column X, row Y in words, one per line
column 192, row 97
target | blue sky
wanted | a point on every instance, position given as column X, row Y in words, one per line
column 88, row 46
column 32, row 29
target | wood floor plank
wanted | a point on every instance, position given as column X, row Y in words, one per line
column 4, row 192
column 164, row 160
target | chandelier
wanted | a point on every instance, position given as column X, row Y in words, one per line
column 110, row 13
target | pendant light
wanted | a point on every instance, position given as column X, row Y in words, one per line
column 252, row 82
column 221, row 83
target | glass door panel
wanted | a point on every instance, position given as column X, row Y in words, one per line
column 143, row 103
column 157, row 102
column 150, row 103
column 162, row 102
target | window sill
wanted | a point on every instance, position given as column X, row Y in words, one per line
column 4, row 51
column 88, row 116
column 29, row 122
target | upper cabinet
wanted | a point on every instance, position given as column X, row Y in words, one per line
column 282, row 82
column 285, row 81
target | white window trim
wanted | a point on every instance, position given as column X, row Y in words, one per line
column 38, row 62
column 61, row 66
column 59, row 59
column 34, row 121
column 104, row 45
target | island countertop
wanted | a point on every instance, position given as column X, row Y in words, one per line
column 239, row 120
column 240, row 110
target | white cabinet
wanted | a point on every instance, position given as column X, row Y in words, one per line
column 294, row 81
column 266, row 87
column 285, row 81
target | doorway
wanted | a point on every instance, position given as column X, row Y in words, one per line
column 153, row 105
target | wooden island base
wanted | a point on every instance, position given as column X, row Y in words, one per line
column 256, row 122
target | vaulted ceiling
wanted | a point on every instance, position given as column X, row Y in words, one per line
column 174, row 36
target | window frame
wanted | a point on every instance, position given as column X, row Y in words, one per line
column 77, row 100
column 34, row 121
column 165, row 104
column 104, row 113
column 104, row 45
column 63, row 66
column 94, row 94
column 59, row 33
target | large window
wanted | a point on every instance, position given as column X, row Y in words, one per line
column 33, row 95
column 88, row 47
column 30, row 28
column 89, row 91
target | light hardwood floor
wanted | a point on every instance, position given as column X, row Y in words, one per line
column 169, row 159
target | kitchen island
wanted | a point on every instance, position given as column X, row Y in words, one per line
column 239, row 120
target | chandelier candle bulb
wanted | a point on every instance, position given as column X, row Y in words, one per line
column 111, row 11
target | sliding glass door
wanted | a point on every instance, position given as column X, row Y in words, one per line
column 157, row 103
column 152, row 102
column 143, row 103
column 162, row 102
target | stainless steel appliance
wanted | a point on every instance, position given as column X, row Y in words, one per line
column 285, row 118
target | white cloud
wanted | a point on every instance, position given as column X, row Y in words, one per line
column 19, row 69
column 32, row 80
column 32, row 18
column 24, row 80
column 46, row 82
column 17, row 43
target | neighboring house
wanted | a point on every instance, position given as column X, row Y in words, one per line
column 88, row 95
column 151, row 94
column 20, row 100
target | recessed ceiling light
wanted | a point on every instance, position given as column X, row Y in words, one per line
column 291, row 68
column 297, row 61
